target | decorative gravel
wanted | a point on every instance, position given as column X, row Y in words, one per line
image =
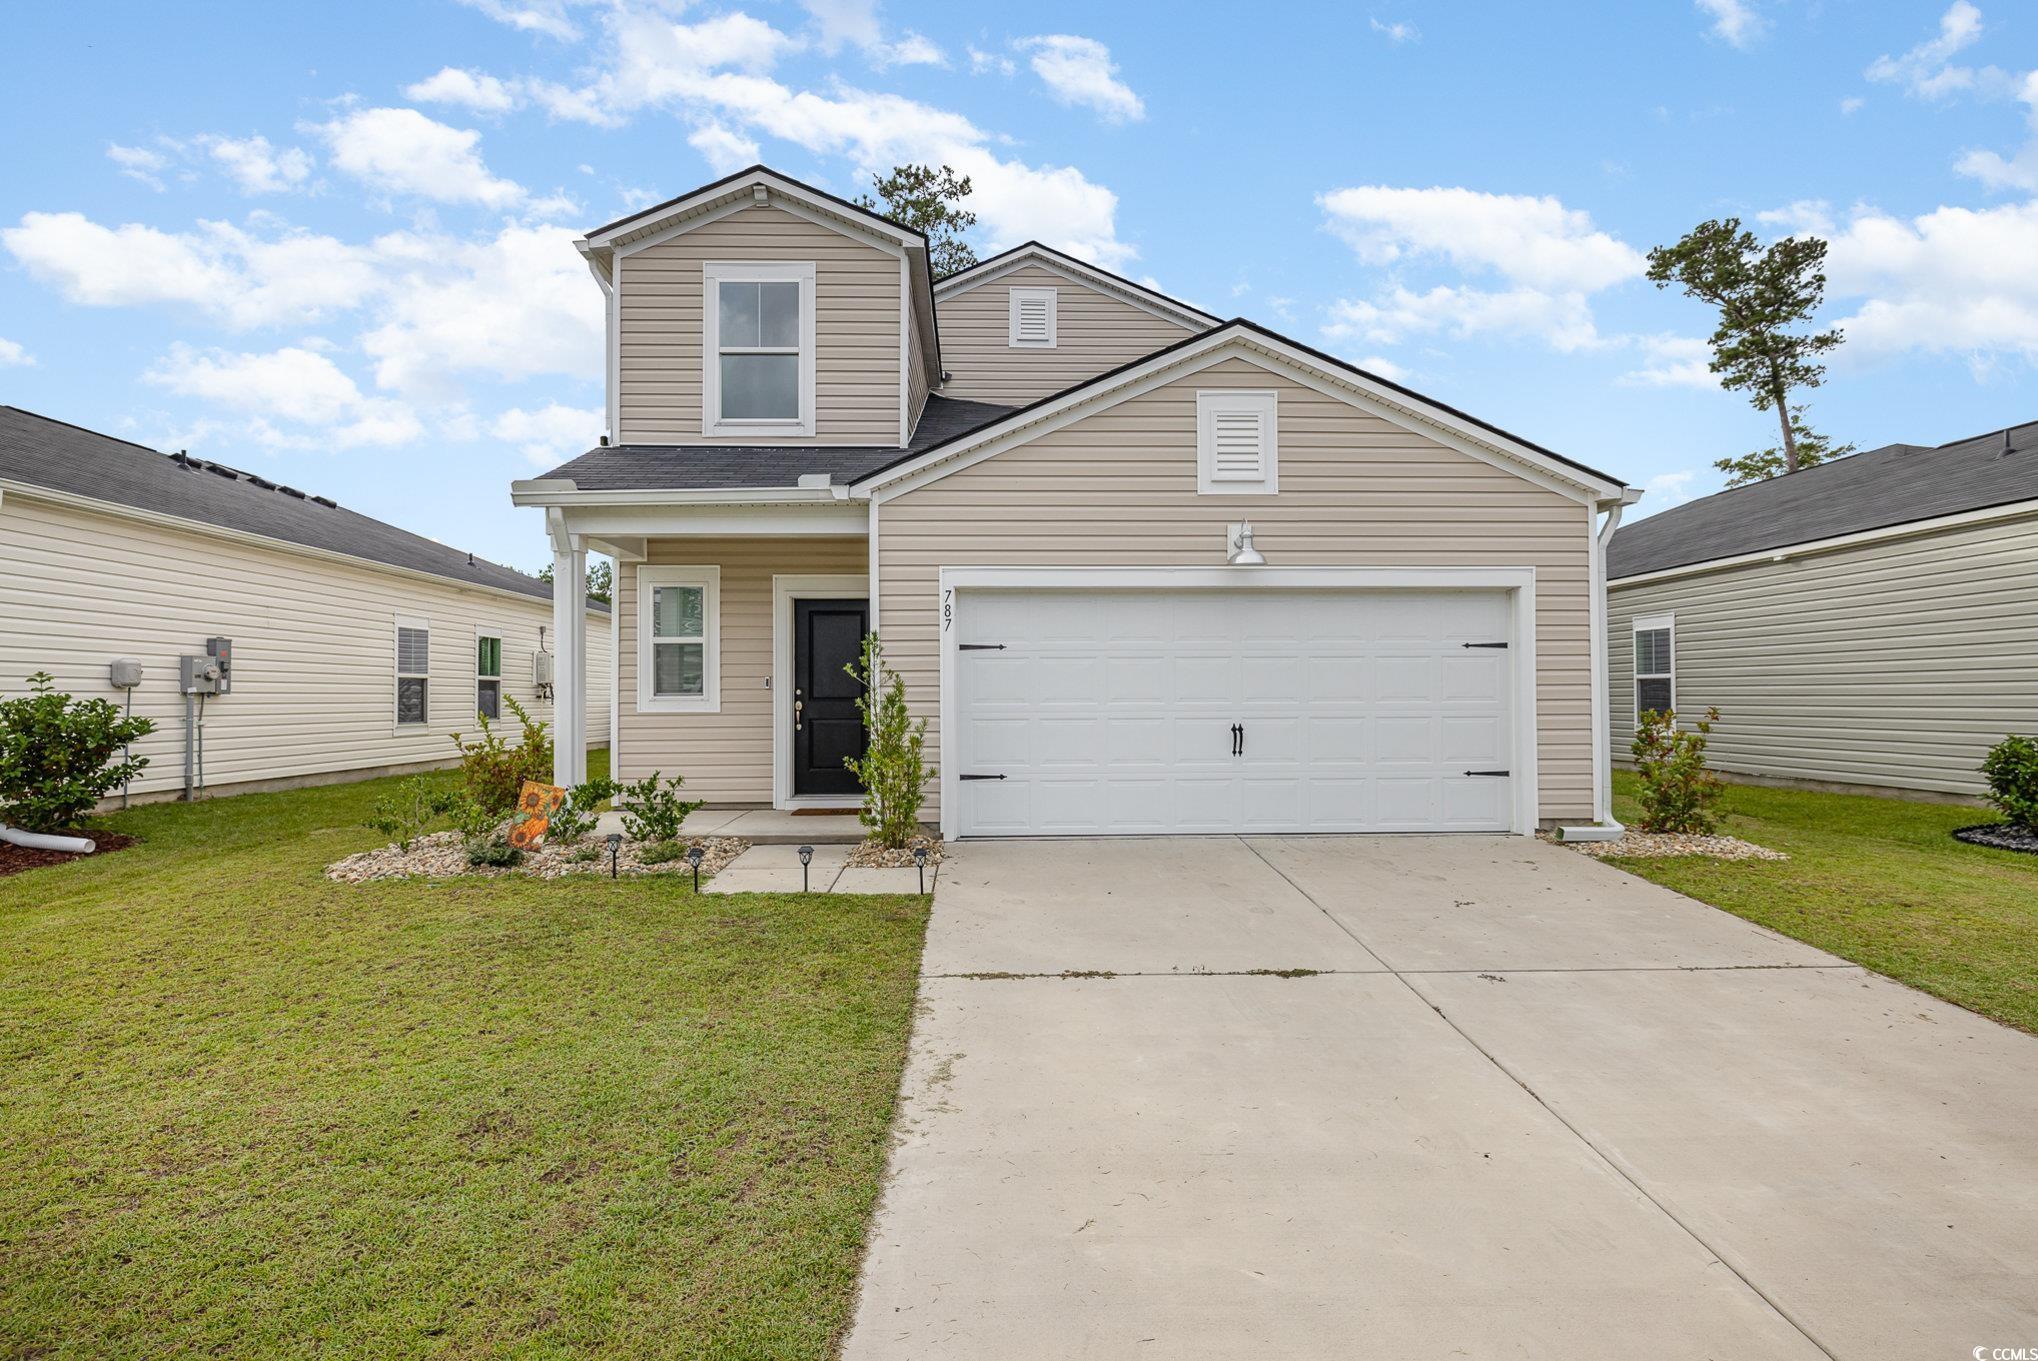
column 1657, row 845
column 870, row 855
column 439, row 856
column 2004, row 836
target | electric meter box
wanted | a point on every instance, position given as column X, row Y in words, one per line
column 542, row 664
column 198, row 675
column 221, row 650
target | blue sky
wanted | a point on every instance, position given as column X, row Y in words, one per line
column 332, row 243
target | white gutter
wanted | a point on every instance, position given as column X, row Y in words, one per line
column 1604, row 827
column 560, row 491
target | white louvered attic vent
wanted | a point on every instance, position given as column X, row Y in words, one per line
column 1031, row 323
column 1237, row 445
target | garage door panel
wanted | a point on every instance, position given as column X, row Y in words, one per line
column 1112, row 712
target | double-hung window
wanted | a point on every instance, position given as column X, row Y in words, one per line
column 488, row 676
column 759, row 349
column 678, row 647
column 1655, row 665
column 413, row 673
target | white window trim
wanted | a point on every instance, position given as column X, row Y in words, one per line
column 717, row 272
column 1650, row 623
column 709, row 579
column 1012, row 340
column 398, row 674
column 1266, row 403
column 481, row 632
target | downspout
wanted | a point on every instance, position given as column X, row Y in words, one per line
column 1604, row 828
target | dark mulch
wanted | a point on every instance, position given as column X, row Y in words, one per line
column 15, row 859
column 2004, row 836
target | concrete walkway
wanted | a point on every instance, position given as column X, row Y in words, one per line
column 777, row 869
column 1524, row 1105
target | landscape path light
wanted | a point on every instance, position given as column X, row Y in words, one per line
column 806, row 859
column 615, row 851
column 693, row 857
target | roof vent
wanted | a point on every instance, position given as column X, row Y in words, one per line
column 228, row 473
column 292, row 491
column 326, row 501
column 604, row 441
column 470, row 559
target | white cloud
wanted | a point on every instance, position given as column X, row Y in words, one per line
column 982, row 63
column 1384, row 367
column 1927, row 70
column 13, row 355
column 257, row 167
column 2014, row 172
column 1733, row 22
column 293, row 385
column 1813, row 215
column 1852, row 104
column 548, row 17
column 470, row 89
column 911, row 49
column 1400, row 31
column 1561, row 320
column 1079, row 71
column 400, row 151
column 571, row 105
column 724, row 151
column 1665, row 490
column 1534, row 241
column 1673, row 361
column 844, row 21
column 139, row 163
column 551, row 434
column 1954, row 280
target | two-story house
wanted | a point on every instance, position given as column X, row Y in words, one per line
column 1143, row 570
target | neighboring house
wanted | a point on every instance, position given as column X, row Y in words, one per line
column 1029, row 478
column 1872, row 621
column 357, row 649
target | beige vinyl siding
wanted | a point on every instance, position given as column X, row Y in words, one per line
column 856, row 328
column 725, row 757
column 1095, row 333
column 1118, row 489
column 1896, row 664
column 314, row 664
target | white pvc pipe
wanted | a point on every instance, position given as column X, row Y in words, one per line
column 38, row 841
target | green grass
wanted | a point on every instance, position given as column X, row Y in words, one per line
column 248, row 1112
column 1880, row 882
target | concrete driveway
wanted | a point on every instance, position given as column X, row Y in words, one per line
column 1521, row 1104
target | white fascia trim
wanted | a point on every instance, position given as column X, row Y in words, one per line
column 71, row 501
column 1451, row 431
column 1519, row 582
column 709, row 578
column 784, row 591
column 610, row 523
column 2015, row 510
column 604, row 276
column 780, row 193
column 1154, row 304
column 559, row 491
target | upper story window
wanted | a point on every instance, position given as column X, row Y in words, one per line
column 758, row 350
column 1031, row 322
column 1237, row 442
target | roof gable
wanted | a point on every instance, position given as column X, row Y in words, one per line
column 1033, row 253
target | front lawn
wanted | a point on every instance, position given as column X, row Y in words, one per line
column 1879, row 882
column 248, row 1112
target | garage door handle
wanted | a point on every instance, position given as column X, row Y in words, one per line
column 1238, row 739
column 979, row 647
column 1494, row 773
column 1485, row 644
column 983, row 777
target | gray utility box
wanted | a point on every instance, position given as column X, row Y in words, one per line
column 198, row 675
column 221, row 650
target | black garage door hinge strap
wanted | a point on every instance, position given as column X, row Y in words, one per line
column 979, row 647
column 1501, row 645
column 1495, row 773
column 983, row 777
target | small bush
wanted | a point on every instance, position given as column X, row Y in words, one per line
column 893, row 767
column 493, row 853
column 577, row 817
column 582, row 855
column 652, row 808
column 57, row 755
column 493, row 772
column 1678, row 793
column 658, row 852
column 403, row 814
column 2012, row 770
column 484, row 833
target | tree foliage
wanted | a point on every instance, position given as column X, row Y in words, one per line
column 57, row 755
column 929, row 200
column 1765, row 296
column 893, row 767
column 601, row 580
column 493, row 772
column 1812, row 450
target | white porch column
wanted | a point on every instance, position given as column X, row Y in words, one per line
column 569, row 666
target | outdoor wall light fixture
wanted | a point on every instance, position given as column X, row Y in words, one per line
column 806, row 859
column 920, row 864
column 1243, row 554
column 615, row 840
column 693, row 857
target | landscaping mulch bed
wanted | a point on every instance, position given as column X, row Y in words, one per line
column 2003, row 836
column 440, row 856
column 870, row 855
column 1659, row 845
column 18, row 859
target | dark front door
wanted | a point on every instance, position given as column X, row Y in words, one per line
column 827, row 730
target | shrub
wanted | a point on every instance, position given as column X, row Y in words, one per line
column 893, row 767
column 57, row 755
column 576, row 817
column 493, row 853
column 405, row 812
column 2012, row 770
column 1678, row 793
column 484, row 833
column 652, row 808
column 493, row 771
column 658, row 852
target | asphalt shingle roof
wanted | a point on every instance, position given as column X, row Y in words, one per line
column 42, row 452
column 707, row 467
column 1894, row 485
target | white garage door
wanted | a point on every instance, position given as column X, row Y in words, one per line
column 1141, row 712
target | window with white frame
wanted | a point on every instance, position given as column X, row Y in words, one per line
column 1655, row 664
column 678, row 644
column 1237, row 443
column 413, row 673
column 488, row 676
column 759, row 348
column 1031, row 324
